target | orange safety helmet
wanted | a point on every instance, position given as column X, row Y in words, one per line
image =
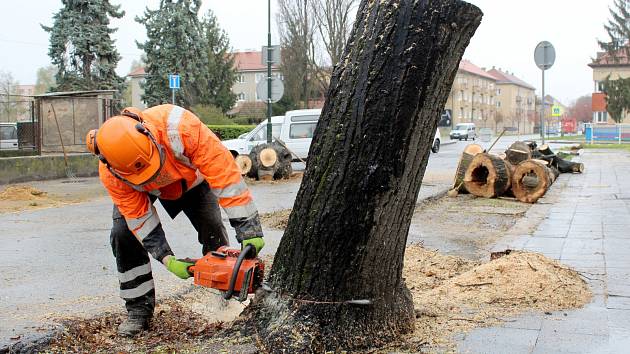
column 127, row 148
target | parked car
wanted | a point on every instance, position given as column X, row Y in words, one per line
column 463, row 131
column 436, row 141
column 8, row 136
column 295, row 129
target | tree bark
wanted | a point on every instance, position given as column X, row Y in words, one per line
column 518, row 152
column 464, row 161
column 336, row 281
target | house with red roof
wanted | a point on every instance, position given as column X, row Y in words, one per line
column 606, row 65
column 515, row 102
column 472, row 97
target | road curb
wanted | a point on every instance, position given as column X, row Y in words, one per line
column 448, row 142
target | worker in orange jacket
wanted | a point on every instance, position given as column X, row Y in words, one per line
column 166, row 153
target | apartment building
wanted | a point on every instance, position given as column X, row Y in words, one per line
column 472, row 97
column 250, row 71
column 604, row 65
column 515, row 103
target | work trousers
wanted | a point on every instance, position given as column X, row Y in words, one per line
column 137, row 288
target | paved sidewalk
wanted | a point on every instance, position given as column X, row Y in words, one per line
column 588, row 228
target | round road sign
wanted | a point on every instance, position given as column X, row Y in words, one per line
column 277, row 89
column 544, row 55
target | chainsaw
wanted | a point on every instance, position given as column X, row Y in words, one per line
column 229, row 271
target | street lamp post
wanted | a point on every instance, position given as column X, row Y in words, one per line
column 269, row 49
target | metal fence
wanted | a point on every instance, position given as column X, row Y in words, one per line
column 19, row 128
column 607, row 133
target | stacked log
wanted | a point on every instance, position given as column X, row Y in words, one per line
column 487, row 176
column 531, row 180
column 464, row 161
column 525, row 171
column 270, row 162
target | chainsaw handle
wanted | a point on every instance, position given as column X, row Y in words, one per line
column 237, row 266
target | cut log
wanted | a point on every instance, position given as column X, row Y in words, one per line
column 244, row 163
column 487, row 176
column 531, row 143
column 464, row 161
column 518, row 152
column 530, row 181
column 566, row 166
column 545, row 150
column 270, row 162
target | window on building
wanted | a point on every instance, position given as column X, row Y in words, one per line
column 600, row 117
column 498, row 91
column 461, row 112
column 599, row 86
column 461, row 95
column 241, row 96
column 498, row 103
column 260, row 76
column 240, row 78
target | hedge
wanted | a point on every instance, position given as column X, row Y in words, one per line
column 226, row 132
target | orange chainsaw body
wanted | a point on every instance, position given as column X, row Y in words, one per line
column 216, row 269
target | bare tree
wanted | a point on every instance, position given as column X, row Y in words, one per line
column 8, row 90
column 296, row 38
column 334, row 22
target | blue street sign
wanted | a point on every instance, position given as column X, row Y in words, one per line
column 173, row 81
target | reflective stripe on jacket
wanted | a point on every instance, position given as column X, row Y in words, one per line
column 193, row 153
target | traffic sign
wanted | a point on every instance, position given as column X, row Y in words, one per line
column 173, row 81
column 556, row 111
column 544, row 55
column 275, row 54
column 277, row 89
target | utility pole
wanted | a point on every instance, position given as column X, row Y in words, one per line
column 269, row 49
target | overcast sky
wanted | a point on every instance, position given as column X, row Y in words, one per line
column 506, row 38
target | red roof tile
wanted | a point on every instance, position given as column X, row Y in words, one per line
column 606, row 59
column 467, row 66
column 503, row 77
column 249, row 61
column 137, row 72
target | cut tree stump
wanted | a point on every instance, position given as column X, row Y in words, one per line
column 270, row 162
column 464, row 161
column 487, row 176
column 531, row 180
column 518, row 152
column 336, row 283
column 244, row 163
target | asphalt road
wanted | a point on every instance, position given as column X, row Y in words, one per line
column 57, row 263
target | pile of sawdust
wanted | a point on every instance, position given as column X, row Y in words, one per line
column 22, row 193
column 276, row 220
column 452, row 295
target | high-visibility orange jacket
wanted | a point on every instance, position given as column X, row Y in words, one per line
column 193, row 154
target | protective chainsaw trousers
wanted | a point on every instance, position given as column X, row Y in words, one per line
column 132, row 260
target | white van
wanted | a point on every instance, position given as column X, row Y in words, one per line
column 8, row 136
column 463, row 131
column 295, row 129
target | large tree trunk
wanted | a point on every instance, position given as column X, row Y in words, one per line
column 347, row 232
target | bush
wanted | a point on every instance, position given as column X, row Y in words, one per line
column 226, row 132
column 210, row 114
column 17, row 153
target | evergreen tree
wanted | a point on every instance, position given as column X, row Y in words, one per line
column 618, row 29
column 618, row 50
column 221, row 71
column 81, row 46
column 175, row 45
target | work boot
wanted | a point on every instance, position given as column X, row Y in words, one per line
column 133, row 325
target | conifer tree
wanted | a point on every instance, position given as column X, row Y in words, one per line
column 174, row 46
column 221, row 71
column 82, row 48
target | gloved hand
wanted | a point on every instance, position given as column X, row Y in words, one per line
column 257, row 242
column 179, row 268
